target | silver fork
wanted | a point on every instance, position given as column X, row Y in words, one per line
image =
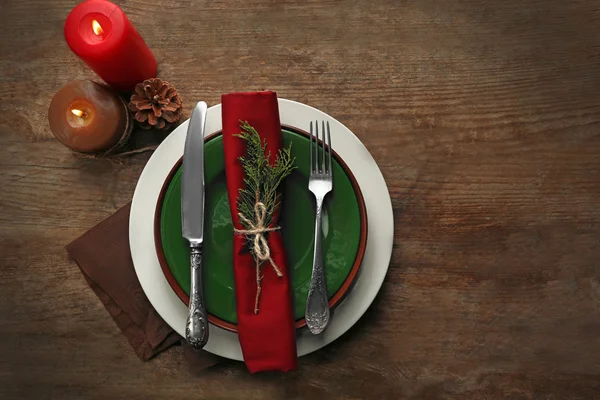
column 320, row 183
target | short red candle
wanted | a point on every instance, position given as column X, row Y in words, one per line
column 88, row 117
column 99, row 32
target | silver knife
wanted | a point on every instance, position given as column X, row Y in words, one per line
column 192, row 222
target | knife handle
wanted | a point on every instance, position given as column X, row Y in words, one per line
column 196, row 329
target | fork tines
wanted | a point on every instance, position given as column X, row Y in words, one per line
column 325, row 168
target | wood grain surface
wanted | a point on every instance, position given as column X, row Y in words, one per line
column 484, row 118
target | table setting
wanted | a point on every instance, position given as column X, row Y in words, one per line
column 294, row 200
column 253, row 237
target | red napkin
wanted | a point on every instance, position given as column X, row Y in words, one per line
column 268, row 339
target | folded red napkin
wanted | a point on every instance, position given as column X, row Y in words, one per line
column 268, row 339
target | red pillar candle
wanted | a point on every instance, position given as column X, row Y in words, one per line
column 99, row 32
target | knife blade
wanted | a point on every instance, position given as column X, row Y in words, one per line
column 192, row 223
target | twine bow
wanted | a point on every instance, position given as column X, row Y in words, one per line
column 260, row 247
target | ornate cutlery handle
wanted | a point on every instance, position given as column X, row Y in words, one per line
column 317, row 303
column 196, row 329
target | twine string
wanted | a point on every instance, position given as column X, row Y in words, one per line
column 261, row 250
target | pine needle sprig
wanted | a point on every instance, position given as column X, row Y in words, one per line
column 261, row 178
column 258, row 200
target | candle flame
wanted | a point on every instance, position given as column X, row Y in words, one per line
column 97, row 28
column 77, row 112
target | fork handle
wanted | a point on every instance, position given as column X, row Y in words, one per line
column 317, row 302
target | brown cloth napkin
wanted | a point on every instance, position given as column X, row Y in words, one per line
column 104, row 257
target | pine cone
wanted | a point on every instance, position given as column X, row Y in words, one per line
column 155, row 104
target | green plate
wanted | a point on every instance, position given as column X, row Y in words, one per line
column 344, row 232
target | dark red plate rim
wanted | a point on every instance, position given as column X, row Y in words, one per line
column 333, row 301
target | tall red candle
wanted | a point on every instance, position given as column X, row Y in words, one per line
column 99, row 32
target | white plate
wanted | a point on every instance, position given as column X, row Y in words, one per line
column 374, row 265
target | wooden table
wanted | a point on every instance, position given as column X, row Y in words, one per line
column 484, row 118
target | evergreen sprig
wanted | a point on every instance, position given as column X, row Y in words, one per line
column 261, row 178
